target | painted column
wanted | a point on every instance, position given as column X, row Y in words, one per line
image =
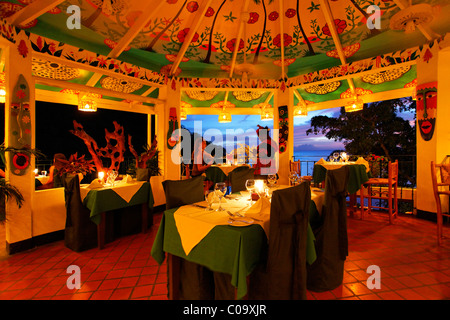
column 433, row 115
column 286, row 132
column 19, row 132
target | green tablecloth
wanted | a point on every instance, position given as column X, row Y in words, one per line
column 358, row 176
column 102, row 200
column 232, row 250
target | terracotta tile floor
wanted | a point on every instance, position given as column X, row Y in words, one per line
column 412, row 266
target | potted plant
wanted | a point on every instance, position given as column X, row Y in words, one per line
column 77, row 165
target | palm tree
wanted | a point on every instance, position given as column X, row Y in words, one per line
column 258, row 49
column 208, row 55
column 310, row 48
column 150, row 46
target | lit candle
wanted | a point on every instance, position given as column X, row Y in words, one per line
column 259, row 186
column 35, row 171
column 101, row 174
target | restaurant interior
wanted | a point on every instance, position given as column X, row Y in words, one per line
column 178, row 218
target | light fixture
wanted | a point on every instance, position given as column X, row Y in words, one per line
column 86, row 103
column 266, row 114
column 183, row 114
column 301, row 110
column 356, row 105
column 414, row 94
column 2, row 95
column 224, row 116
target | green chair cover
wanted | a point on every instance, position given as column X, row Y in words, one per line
column 80, row 232
column 182, row 192
column 327, row 272
column 196, row 281
column 215, row 174
column 284, row 275
column 238, row 176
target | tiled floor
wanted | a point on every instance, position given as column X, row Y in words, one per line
column 412, row 266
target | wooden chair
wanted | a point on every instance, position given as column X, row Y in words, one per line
column 440, row 176
column 383, row 189
column 297, row 167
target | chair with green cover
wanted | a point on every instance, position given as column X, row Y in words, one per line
column 196, row 281
column 283, row 276
column 182, row 192
column 80, row 232
column 239, row 176
column 326, row 273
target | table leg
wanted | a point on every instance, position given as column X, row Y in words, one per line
column 101, row 232
column 144, row 211
column 173, row 268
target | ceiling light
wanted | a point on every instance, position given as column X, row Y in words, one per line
column 300, row 110
column 87, row 103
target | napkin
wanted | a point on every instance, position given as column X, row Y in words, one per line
column 321, row 161
column 127, row 179
column 95, row 184
column 364, row 162
column 260, row 207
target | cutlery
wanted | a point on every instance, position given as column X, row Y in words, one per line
column 199, row 206
column 241, row 216
column 240, row 220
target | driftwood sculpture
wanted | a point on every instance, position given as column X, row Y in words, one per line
column 141, row 160
column 114, row 150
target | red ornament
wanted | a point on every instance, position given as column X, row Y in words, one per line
column 22, row 48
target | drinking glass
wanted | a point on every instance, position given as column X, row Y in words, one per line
column 336, row 156
column 113, row 175
column 293, row 176
column 250, row 186
column 44, row 173
column 272, row 179
column 209, row 197
column 220, row 189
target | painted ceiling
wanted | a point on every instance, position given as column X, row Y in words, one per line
column 257, row 44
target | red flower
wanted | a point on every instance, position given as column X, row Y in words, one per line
column 209, row 12
column 23, row 49
column 52, row 47
column 273, row 16
column 340, row 27
column 253, row 17
column 286, row 38
column 290, row 13
column 183, row 33
column 192, row 6
column 232, row 43
column 427, row 56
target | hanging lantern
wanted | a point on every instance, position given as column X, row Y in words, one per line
column 224, row 116
column 87, row 103
column 183, row 114
column 414, row 95
column 301, row 110
column 2, row 95
column 356, row 105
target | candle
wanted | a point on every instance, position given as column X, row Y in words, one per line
column 101, row 175
column 259, row 186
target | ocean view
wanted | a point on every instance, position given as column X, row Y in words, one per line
column 309, row 157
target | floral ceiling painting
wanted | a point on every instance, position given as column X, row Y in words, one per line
column 238, row 43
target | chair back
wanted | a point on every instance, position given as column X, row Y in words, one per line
column 326, row 273
column 393, row 172
column 239, row 176
column 295, row 166
column 80, row 232
column 182, row 192
column 285, row 275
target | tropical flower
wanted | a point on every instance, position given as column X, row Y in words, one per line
column 22, row 48
column 192, row 6
column 232, row 43
column 340, row 27
column 183, row 33
column 290, row 13
column 273, row 16
column 286, row 38
column 253, row 17
column 209, row 12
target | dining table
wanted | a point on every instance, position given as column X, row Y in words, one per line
column 100, row 198
column 223, row 243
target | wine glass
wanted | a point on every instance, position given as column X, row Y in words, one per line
column 272, row 179
column 209, row 197
column 250, row 186
column 44, row 173
column 220, row 189
column 113, row 176
column 335, row 156
column 293, row 176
